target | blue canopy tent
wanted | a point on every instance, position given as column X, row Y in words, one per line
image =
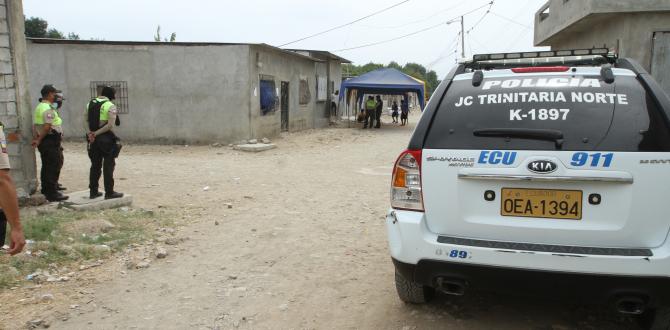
column 382, row 81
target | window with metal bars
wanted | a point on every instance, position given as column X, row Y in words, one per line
column 121, row 88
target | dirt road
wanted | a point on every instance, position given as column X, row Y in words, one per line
column 304, row 246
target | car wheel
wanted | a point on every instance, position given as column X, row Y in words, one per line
column 412, row 292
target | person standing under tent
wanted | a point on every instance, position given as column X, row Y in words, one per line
column 378, row 112
column 404, row 112
column 370, row 106
column 394, row 114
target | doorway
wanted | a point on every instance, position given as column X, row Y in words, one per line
column 284, row 106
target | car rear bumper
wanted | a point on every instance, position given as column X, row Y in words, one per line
column 410, row 242
column 578, row 287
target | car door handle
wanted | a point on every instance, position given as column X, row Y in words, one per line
column 609, row 176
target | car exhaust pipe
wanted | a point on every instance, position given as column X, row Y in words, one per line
column 451, row 286
column 631, row 305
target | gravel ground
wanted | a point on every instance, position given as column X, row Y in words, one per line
column 303, row 246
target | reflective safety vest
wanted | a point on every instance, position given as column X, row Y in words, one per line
column 38, row 118
column 104, row 109
column 370, row 104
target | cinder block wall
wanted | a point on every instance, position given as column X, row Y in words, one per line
column 14, row 99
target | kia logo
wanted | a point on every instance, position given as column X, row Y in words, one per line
column 542, row 166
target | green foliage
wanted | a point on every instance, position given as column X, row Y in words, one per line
column 39, row 28
column 157, row 37
column 36, row 27
column 55, row 34
column 394, row 65
column 415, row 70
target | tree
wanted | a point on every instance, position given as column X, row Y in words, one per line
column 39, row 28
column 394, row 65
column 36, row 27
column 54, row 34
column 157, row 37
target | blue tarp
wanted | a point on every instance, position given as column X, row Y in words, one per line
column 268, row 96
column 385, row 82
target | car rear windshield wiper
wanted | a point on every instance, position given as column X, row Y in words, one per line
column 523, row 133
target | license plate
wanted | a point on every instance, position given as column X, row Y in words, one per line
column 541, row 203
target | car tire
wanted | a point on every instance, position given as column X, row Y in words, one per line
column 412, row 292
column 656, row 319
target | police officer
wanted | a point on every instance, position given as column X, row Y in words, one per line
column 47, row 136
column 370, row 106
column 58, row 106
column 9, row 203
column 378, row 111
column 103, row 146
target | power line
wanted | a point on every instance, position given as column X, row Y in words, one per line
column 447, row 51
column 512, row 21
column 392, row 39
column 488, row 11
column 418, row 20
column 413, row 33
column 346, row 24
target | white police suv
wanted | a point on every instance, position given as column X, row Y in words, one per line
column 539, row 173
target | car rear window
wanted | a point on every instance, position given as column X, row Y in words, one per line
column 589, row 113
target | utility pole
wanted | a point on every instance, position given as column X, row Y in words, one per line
column 462, row 38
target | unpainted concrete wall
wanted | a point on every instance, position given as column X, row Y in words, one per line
column 176, row 94
column 565, row 13
column 630, row 34
column 283, row 67
column 15, row 112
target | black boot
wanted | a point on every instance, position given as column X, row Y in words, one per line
column 60, row 187
column 56, row 197
column 95, row 194
column 113, row 195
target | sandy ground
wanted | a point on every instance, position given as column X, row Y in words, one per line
column 304, row 246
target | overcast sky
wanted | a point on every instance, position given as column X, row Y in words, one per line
column 507, row 28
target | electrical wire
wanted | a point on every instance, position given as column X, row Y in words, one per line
column 413, row 33
column 392, row 39
column 513, row 43
column 482, row 46
column 511, row 20
column 346, row 24
column 488, row 11
column 447, row 51
column 416, row 21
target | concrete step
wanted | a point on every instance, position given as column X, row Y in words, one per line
column 80, row 201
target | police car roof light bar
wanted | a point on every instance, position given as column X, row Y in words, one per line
column 542, row 58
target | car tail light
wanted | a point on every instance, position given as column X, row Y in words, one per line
column 541, row 69
column 406, row 183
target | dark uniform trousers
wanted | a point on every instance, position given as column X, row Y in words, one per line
column 369, row 118
column 52, row 160
column 378, row 117
column 101, row 153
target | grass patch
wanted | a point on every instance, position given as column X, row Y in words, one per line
column 67, row 237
